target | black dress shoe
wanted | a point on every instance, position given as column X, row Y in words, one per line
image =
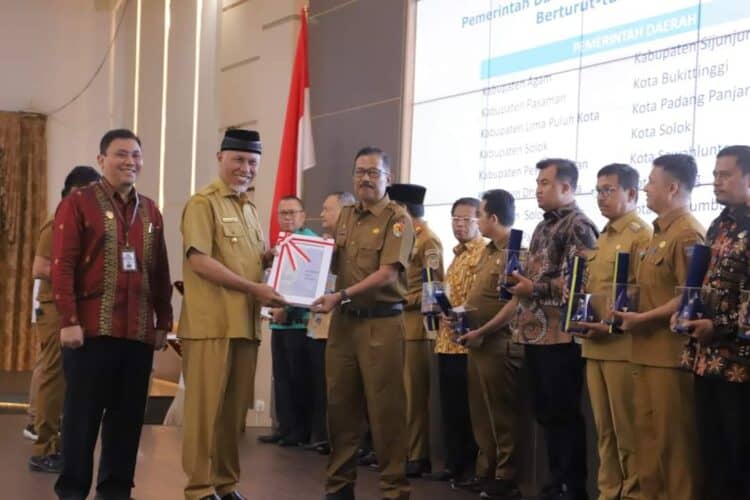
column 368, row 460
column 270, row 439
column 287, row 442
column 475, row 484
column 345, row 493
column 501, row 489
column 416, row 468
column 235, row 495
column 444, row 475
column 323, row 449
column 51, row 464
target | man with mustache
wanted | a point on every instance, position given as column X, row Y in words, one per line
column 718, row 357
column 223, row 261
column 318, row 337
column 365, row 351
column 110, row 279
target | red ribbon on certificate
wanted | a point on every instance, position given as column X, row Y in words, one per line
column 289, row 248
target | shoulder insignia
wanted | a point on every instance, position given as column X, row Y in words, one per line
column 206, row 190
column 398, row 229
column 635, row 227
column 432, row 258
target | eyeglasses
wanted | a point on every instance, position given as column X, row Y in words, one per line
column 463, row 220
column 372, row 173
column 604, row 192
column 289, row 213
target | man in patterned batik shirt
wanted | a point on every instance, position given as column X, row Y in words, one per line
column 715, row 353
column 553, row 360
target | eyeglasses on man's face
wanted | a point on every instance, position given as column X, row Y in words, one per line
column 463, row 220
column 604, row 192
column 289, row 213
column 372, row 173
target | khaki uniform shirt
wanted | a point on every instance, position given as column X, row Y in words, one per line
column 220, row 223
column 427, row 252
column 459, row 279
column 629, row 234
column 44, row 250
column 367, row 239
column 484, row 295
column 664, row 266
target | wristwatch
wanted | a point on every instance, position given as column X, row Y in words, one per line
column 345, row 299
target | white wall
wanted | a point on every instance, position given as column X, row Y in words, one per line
column 256, row 53
column 51, row 48
column 49, row 51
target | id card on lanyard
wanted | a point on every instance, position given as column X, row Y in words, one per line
column 128, row 258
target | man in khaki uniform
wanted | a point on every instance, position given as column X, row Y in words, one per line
column 665, row 426
column 608, row 372
column 494, row 360
column 220, row 323
column 427, row 254
column 317, row 333
column 365, row 351
column 50, row 386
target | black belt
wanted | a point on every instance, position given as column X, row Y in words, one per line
column 379, row 311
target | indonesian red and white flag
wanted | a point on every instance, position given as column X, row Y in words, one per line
column 297, row 151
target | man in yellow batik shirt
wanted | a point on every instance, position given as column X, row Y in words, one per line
column 460, row 447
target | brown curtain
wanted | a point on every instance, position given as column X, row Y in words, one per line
column 23, row 207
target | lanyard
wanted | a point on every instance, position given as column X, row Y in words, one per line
column 121, row 216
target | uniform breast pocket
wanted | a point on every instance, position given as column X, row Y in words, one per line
column 368, row 255
column 231, row 236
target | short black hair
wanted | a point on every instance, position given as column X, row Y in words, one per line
column 472, row 202
column 374, row 150
column 680, row 166
column 293, row 197
column 627, row 176
column 345, row 197
column 567, row 171
column 740, row 153
column 118, row 133
column 80, row 176
column 500, row 203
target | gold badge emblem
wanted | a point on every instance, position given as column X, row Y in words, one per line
column 109, row 214
column 618, row 246
column 376, row 230
column 398, row 229
column 662, row 244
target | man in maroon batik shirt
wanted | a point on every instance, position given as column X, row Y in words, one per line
column 110, row 279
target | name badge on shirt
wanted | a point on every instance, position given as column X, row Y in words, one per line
column 128, row 260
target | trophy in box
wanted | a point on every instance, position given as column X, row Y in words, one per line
column 513, row 263
column 430, row 307
column 744, row 319
column 460, row 314
column 692, row 295
column 623, row 297
column 579, row 307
